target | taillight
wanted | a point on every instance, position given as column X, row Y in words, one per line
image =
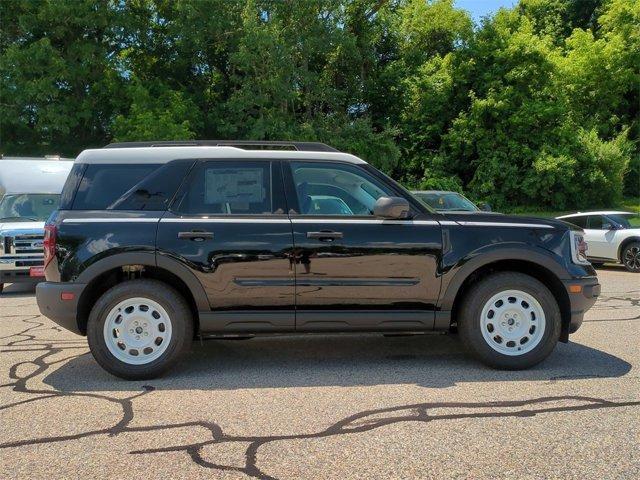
column 578, row 248
column 50, row 232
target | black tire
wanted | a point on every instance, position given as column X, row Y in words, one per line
column 181, row 328
column 470, row 326
column 630, row 257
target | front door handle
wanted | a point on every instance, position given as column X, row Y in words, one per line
column 325, row 235
column 195, row 235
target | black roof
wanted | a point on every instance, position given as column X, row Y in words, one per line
column 247, row 144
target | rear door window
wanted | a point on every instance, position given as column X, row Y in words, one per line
column 579, row 221
column 232, row 188
column 102, row 185
column 594, row 222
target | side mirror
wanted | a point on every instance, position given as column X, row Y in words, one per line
column 485, row 207
column 391, row 207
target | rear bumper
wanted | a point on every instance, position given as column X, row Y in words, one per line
column 51, row 304
column 581, row 301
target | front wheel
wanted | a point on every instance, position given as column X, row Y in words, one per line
column 139, row 328
column 510, row 321
column 631, row 257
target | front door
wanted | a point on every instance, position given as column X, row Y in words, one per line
column 601, row 237
column 355, row 271
column 229, row 225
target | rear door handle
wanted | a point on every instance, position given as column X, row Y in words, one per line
column 325, row 235
column 195, row 236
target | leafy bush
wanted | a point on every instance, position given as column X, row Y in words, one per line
column 536, row 105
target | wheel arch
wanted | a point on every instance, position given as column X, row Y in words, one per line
column 108, row 272
column 534, row 264
column 624, row 243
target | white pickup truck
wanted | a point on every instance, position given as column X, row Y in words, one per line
column 30, row 190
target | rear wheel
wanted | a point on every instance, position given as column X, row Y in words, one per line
column 509, row 320
column 631, row 257
column 138, row 329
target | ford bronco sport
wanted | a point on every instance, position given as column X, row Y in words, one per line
column 156, row 244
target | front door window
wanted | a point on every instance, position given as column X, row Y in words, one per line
column 328, row 189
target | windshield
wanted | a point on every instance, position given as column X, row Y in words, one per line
column 627, row 220
column 446, row 201
column 28, row 207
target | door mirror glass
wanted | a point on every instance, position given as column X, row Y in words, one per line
column 391, row 207
column 485, row 207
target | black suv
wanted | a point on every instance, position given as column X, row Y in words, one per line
column 158, row 243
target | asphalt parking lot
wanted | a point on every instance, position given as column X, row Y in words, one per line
column 324, row 406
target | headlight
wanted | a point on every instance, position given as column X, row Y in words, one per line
column 578, row 248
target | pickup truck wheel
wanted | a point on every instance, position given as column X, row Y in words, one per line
column 631, row 257
column 510, row 321
column 137, row 329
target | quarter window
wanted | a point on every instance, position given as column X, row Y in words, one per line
column 229, row 188
column 156, row 190
column 102, row 185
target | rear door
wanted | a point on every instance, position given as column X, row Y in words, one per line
column 229, row 225
column 600, row 237
column 355, row 271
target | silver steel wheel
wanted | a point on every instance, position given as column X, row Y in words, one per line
column 632, row 257
column 137, row 331
column 512, row 322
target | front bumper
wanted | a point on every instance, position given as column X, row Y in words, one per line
column 18, row 276
column 581, row 301
column 18, row 269
column 51, row 305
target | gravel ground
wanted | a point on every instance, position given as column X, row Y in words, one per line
column 329, row 407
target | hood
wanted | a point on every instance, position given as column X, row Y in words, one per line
column 502, row 218
column 17, row 226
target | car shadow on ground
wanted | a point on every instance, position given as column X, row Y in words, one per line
column 19, row 290
column 613, row 267
column 433, row 361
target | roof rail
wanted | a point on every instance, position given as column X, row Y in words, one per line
column 36, row 159
column 247, row 144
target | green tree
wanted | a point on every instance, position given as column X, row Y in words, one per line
column 537, row 104
column 156, row 112
column 58, row 89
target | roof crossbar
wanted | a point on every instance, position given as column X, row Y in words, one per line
column 247, row 144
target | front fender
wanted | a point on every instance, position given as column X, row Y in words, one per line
column 465, row 266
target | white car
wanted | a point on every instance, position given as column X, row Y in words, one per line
column 611, row 237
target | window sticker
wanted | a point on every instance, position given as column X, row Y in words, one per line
column 234, row 185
